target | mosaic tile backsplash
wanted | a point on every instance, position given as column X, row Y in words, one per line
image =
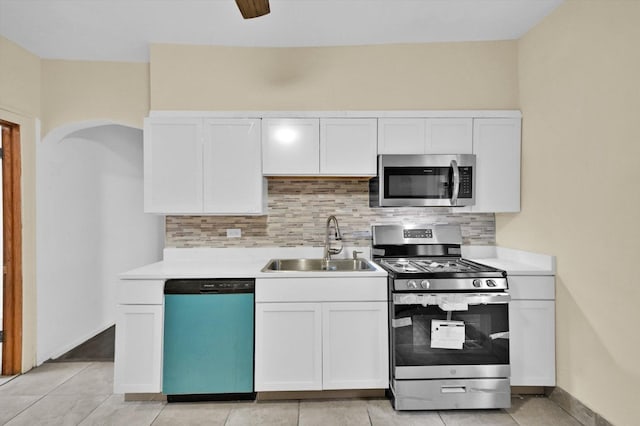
column 298, row 210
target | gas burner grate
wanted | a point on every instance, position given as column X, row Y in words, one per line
column 420, row 265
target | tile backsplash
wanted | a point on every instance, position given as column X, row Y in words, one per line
column 298, row 210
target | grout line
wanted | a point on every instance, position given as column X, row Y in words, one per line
column 164, row 405
column 369, row 414
column 6, row 379
column 70, row 377
column 226, row 419
column 95, row 408
column 27, row 407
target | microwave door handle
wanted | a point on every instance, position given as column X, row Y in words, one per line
column 456, row 182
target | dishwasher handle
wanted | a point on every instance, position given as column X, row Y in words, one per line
column 209, row 286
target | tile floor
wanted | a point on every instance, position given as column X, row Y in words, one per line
column 81, row 393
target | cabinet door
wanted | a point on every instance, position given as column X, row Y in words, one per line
column 173, row 165
column 348, row 146
column 401, row 136
column 233, row 181
column 288, row 347
column 496, row 143
column 532, row 342
column 290, row 146
column 138, row 349
column 355, row 345
column 449, row 136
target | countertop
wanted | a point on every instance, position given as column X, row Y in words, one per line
column 248, row 262
column 515, row 262
column 238, row 263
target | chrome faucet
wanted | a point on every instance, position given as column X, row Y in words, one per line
column 328, row 250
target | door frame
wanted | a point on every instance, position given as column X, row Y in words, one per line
column 12, row 262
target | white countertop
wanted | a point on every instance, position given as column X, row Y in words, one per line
column 238, row 263
column 248, row 262
column 515, row 262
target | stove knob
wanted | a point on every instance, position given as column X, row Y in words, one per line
column 491, row 283
column 477, row 283
column 412, row 284
column 425, row 284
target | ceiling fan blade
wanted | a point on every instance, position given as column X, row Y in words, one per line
column 253, row 8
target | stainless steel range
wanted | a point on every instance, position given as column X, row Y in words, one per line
column 448, row 319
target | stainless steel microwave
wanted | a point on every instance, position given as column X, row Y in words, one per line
column 424, row 181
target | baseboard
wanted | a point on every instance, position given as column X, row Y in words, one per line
column 527, row 390
column 145, row 397
column 576, row 408
column 332, row 394
column 66, row 348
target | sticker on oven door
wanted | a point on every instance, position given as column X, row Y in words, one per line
column 401, row 322
column 447, row 334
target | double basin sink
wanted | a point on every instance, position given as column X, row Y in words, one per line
column 318, row 265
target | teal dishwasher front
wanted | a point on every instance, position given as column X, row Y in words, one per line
column 208, row 339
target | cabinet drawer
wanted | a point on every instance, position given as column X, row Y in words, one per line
column 356, row 289
column 140, row 292
column 532, row 287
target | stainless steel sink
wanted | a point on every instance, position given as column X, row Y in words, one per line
column 318, row 265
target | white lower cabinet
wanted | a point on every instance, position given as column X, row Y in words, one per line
column 305, row 343
column 288, row 346
column 353, row 335
column 139, row 322
column 321, row 346
column 138, row 349
column 532, row 336
column 532, row 331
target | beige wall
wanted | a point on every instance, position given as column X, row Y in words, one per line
column 480, row 75
column 20, row 104
column 580, row 97
column 76, row 91
column 19, row 79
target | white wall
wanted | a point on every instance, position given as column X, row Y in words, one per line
column 90, row 227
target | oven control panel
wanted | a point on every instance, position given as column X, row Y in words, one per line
column 446, row 284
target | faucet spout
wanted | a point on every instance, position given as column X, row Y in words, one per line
column 328, row 250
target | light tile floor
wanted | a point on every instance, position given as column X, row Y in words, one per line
column 81, row 393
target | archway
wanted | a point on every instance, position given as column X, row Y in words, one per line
column 91, row 226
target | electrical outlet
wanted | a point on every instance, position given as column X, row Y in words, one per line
column 234, row 233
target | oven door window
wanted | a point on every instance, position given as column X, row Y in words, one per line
column 418, row 182
column 486, row 338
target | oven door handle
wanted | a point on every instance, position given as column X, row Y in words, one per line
column 431, row 299
column 456, row 182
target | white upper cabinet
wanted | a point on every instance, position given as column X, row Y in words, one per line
column 233, row 182
column 348, row 146
column 203, row 166
column 496, row 144
column 319, row 147
column 290, row 146
column 173, row 165
column 425, row 136
column 449, row 136
column 401, row 136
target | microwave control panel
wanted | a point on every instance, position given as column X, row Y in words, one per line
column 466, row 182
